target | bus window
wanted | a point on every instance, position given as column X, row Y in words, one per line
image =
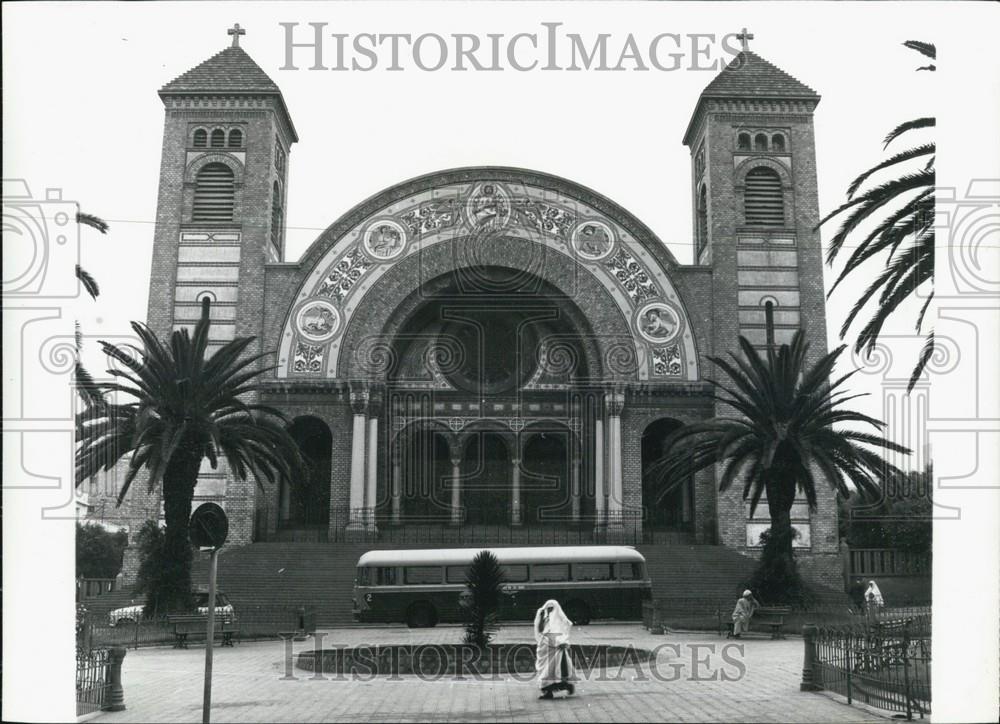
column 592, row 571
column 455, row 574
column 550, row 572
column 517, row 573
column 630, row 571
column 422, row 574
column 362, row 576
column 385, row 577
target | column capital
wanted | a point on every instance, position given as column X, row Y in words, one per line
column 614, row 401
column 360, row 398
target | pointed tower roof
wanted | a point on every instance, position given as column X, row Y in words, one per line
column 751, row 77
column 229, row 72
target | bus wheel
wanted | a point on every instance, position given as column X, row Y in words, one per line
column 421, row 615
column 578, row 612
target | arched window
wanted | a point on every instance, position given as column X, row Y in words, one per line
column 214, row 193
column 743, row 142
column 218, row 138
column 200, row 138
column 778, row 142
column 702, row 222
column 235, row 138
column 763, row 202
column 760, row 142
column 276, row 217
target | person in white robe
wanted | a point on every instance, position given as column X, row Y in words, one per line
column 553, row 662
column 745, row 608
column 873, row 596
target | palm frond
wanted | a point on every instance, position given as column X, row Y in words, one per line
column 92, row 221
column 915, row 124
column 89, row 283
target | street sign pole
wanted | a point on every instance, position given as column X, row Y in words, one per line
column 206, row 710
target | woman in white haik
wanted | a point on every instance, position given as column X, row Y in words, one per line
column 553, row 662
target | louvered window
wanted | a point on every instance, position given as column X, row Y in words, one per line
column 200, row 138
column 702, row 223
column 214, row 193
column 235, row 138
column 763, row 204
column 218, row 138
column 276, row 218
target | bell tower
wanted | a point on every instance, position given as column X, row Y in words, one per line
column 220, row 220
column 223, row 189
column 755, row 209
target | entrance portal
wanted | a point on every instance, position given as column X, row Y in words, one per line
column 486, row 480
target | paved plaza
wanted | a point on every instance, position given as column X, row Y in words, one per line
column 698, row 680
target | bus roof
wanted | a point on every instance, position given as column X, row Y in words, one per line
column 464, row 556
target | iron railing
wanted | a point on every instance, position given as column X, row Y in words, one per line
column 251, row 622
column 884, row 662
column 93, row 680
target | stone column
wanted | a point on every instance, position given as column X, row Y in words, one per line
column 515, row 491
column 456, row 487
column 396, row 482
column 574, row 487
column 599, row 444
column 371, row 485
column 359, row 406
column 615, row 403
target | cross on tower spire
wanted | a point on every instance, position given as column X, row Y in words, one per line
column 744, row 37
column 236, row 31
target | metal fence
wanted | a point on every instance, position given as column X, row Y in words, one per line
column 251, row 623
column 93, row 682
column 883, row 661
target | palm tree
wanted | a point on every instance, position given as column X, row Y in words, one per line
column 88, row 281
column 781, row 439
column 902, row 210
column 187, row 406
column 483, row 581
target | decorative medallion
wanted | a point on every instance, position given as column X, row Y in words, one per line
column 657, row 322
column 384, row 239
column 593, row 240
column 318, row 321
column 488, row 207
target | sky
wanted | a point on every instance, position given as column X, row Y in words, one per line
column 86, row 116
column 81, row 114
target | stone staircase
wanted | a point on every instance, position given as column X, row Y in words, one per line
column 321, row 575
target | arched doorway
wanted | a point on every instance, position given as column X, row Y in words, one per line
column 306, row 502
column 425, row 468
column 674, row 511
column 486, row 479
column 545, row 480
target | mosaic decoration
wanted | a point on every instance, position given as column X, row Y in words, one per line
column 430, row 217
column 351, row 267
column 593, row 240
column 317, row 321
column 488, row 207
column 657, row 322
column 633, row 277
column 384, row 239
column 667, row 361
column 546, row 218
column 307, row 358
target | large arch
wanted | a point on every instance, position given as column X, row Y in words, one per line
column 359, row 271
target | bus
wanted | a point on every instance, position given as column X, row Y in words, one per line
column 422, row 588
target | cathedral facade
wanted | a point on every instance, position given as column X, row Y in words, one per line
column 494, row 351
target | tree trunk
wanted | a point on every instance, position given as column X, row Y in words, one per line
column 179, row 481
column 780, row 496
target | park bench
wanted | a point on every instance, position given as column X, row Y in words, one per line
column 773, row 617
column 185, row 625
